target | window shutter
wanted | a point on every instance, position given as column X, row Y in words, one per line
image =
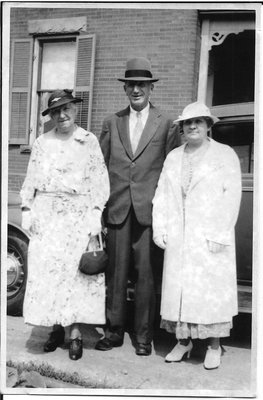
column 21, row 68
column 84, row 78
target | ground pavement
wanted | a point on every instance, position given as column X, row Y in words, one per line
column 121, row 371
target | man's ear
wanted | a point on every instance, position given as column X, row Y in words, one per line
column 125, row 87
column 152, row 87
column 77, row 108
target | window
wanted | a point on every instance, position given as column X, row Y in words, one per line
column 56, row 71
column 226, row 81
column 58, row 64
column 231, row 69
column 240, row 136
column 44, row 64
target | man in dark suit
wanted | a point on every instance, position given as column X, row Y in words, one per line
column 135, row 142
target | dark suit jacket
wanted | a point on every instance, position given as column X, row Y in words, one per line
column 133, row 179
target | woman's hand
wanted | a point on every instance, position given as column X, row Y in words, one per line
column 160, row 241
column 93, row 243
column 26, row 219
column 215, row 247
column 95, row 222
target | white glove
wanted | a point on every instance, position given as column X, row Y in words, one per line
column 215, row 247
column 160, row 241
column 26, row 220
column 95, row 222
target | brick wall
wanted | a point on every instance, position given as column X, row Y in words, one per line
column 169, row 38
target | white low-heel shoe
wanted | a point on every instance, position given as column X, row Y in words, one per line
column 212, row 358
column 178, row 352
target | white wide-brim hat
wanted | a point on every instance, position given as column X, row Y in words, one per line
column 195, row 110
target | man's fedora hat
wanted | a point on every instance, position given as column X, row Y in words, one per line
column 58, row 98
column 195, row 110
column 138, row 69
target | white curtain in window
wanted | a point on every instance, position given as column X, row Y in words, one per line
column 58, row 65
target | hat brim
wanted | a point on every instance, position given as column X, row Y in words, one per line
column 212, row 117
column 60, row 103
column 138, row 78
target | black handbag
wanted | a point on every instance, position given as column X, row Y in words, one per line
column 94, row 260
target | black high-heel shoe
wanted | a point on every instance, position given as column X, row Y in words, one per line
column 75, row 349
column 56, row 338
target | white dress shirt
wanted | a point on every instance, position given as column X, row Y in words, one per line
column 133, row 118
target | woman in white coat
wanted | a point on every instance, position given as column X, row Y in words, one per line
column 195, row 209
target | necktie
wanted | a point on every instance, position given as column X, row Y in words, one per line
column 137, row 132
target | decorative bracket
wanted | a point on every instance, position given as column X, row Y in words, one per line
column 219, row 30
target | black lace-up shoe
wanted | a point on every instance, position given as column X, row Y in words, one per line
column 107, row 344
column 143, row 349
column 56, row 338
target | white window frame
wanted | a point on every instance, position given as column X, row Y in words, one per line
column 214, row 33
column 35, row 77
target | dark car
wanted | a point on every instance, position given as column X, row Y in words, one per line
column 18, row 240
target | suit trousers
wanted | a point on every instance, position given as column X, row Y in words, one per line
column 130, row 251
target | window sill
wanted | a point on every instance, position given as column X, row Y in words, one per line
column 234, row 110
column 25, row 149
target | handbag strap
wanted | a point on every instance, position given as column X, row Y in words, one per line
column 99, row 241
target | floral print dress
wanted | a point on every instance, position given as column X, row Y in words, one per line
column 65, row 181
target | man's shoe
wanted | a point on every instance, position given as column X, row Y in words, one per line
column 56, row 338
column 107, row 344
column 143, row 349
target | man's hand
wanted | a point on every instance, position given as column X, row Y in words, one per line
column 95, row 222
column 160, row 241
column 26, row 220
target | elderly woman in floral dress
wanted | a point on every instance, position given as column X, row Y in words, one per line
column 195, row 209
column 63, row 196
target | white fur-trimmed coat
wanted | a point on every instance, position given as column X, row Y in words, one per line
column 199, row 286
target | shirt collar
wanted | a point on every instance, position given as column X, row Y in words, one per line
column 143, row 112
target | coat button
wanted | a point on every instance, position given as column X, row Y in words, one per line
column 133, row 164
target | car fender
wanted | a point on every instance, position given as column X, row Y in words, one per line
column 15, row 227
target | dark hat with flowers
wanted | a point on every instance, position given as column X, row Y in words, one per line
column 60, row 97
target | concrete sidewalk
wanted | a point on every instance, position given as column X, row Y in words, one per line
column 121, row 371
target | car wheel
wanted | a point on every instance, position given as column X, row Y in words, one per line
column 16, row 274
